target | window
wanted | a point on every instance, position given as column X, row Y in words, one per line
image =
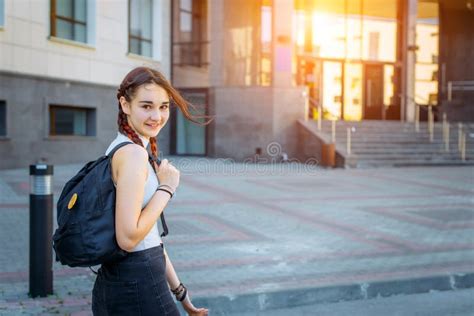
column 140, row 21
column 190, row 46
column 342, row 29
column 2, row 13
column 71, row 121
column 3, row 118
column 427, row 37
column 190, row 137
column 69, row 20
column 248, row 43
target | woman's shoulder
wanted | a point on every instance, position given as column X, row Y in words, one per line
column 132, row 153
column 130, row 160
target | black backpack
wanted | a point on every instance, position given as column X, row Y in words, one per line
column 86, row 216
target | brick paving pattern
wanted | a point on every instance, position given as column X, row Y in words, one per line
column 239, row 229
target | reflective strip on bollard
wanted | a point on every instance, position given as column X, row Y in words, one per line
column 40, row 185
column 41, row 178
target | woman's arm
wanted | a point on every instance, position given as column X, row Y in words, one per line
column 131, row 222
column 171, row 275
column 174, row 282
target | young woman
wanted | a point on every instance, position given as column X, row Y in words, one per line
column 140, row 283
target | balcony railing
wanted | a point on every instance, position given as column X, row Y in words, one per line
column 191, row 54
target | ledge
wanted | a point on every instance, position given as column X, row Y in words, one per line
column 70, row 42
column 143, row 58
column 69, row 138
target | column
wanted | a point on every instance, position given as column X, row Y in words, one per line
column 282, row 45
column 410, row 8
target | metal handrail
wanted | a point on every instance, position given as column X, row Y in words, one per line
column 463, row 85
column 317, row 105
column 412, row 98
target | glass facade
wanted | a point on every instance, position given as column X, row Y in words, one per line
column 248, row 42
column 347, row 54
column 190, row 44
column 191, row 137
column 427, row 36
column 69, row 19
column 140, row 27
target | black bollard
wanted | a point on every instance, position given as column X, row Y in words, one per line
column 41, row 230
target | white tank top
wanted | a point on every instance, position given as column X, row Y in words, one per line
column 152, row 239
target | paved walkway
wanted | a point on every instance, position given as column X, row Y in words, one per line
column 249, row 237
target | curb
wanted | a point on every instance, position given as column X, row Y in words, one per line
column 223, row 305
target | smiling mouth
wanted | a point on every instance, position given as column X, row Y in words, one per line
column 153, row 125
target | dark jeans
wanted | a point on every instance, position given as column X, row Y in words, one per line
column 134, row 286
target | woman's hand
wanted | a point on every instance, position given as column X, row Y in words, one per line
column 167, row 174
column 193, row 311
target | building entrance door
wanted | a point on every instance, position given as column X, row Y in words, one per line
column 350, row 90
column 187, row 137
column 331, row 89
column 374, row 108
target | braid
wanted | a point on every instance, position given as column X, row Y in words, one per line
column 154, row 148
column 126, row 129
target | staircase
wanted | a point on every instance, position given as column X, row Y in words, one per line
column 395, row 143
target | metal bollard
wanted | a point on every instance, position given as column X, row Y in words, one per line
column 417, row 118
column 446, row 137
column 450, row 90
column 319, row 117
column 333, row 131
column 349, row 141
column 459, row 136
column 41, row 230
column 430, row 123
column 444, row 127
column 463, row 146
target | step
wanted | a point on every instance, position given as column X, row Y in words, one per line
column 414, row 157
column 376, row 151
column 343, row 131
column 394, row 143
column 402, row 163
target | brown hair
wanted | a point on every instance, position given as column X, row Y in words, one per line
column 132, row 81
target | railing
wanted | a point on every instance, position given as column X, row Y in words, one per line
column 452, row 86
column 465, row 85
column 462, row 141
column 190, row 54
column 313, row 104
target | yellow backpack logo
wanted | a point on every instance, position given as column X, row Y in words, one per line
column 72, row 201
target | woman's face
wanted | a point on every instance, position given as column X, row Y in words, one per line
column 148, row 110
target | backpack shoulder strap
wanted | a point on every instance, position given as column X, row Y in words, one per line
column 162, row 215
column 112, row 152
column 150, row 159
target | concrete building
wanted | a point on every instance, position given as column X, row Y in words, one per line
column 256, row 66
column 236, row 62
column 248, row 62
column 60, row 65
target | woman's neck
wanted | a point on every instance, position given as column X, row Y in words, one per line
column 145, row 140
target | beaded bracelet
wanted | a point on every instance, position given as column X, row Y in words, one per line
column 180, row 292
